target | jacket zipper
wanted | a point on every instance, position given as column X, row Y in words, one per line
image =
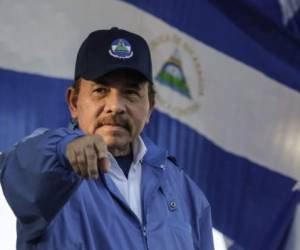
column 125, row 206
column 144, row 232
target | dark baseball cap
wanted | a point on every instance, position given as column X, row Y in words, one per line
column 104, row 51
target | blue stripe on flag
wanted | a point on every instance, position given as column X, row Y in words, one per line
column 269, row 8
column 29, row 101
column 241, row 33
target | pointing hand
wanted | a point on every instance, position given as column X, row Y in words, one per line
column 86, row 154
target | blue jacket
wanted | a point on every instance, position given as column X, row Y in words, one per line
column 58, row 210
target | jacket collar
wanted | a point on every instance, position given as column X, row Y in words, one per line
column 155, row 156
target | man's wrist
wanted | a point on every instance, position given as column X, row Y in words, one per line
column 62, row 146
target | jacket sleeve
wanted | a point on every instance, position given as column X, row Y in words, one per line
column 205, row 230
column 37, row 179
column 203, row 237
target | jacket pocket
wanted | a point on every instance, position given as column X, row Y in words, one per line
column 176, row 225
column 181, row 233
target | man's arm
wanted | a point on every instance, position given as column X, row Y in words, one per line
column 37, row 179
column 205, row 230
column 201, row 214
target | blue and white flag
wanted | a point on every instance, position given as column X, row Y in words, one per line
column 227, row 77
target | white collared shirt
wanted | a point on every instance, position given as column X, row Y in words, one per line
column 130, row 188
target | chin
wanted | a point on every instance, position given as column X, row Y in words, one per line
column 113, row 135
column 115, row 141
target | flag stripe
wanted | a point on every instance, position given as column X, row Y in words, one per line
column 279, row 59
column 30, row 101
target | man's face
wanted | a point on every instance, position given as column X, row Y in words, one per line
column 116, row 108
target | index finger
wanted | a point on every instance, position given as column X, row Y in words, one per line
column 91, row 158
column 102, row 154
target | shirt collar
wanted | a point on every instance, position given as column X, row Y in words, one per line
column 139, row 150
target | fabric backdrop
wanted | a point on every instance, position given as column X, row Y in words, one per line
column 228, row 106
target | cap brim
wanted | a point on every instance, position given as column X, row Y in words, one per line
column 111, row 68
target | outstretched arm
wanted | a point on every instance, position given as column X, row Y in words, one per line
column 37, row 179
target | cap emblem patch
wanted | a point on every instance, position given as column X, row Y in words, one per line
column 121, row 48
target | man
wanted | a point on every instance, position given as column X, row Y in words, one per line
column 102, row 184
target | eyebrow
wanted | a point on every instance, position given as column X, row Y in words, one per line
column 134, row 85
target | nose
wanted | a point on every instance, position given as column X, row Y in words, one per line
column 114, row 103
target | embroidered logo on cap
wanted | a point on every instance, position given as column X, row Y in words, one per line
column 121, row 48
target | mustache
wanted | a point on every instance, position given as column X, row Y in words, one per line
column 115, row 121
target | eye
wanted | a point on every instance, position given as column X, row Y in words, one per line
column 101, row 90
column 132, row 92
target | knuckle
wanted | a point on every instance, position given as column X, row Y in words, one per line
column 70, row 157
column 73, row 162
column 89, row 146
column 93, row 172
column 91, row 157
column 83, row 171
column 81, row 162
column 79, row 153
column 102, row 155
column 84, row 175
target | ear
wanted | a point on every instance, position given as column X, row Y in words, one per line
column 72, row 97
